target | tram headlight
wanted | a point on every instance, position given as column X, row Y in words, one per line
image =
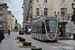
column 48, row 33
column 54, row 34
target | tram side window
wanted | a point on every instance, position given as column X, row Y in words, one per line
column 43, row 28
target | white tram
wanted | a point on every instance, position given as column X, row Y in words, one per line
column 45, row 29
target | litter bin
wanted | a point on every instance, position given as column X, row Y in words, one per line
column 74, row 36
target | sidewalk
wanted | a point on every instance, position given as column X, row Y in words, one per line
column 9, row 43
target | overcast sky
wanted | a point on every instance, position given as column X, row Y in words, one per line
column 15, row 6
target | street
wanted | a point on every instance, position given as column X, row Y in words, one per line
column 9, row 43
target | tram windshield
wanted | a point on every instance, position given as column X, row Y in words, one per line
column 51, row 25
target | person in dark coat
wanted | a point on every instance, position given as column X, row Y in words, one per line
column 26, row 30
column 9, row 32
column 61, row 32
column 1, row 36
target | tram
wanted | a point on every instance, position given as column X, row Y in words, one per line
column 45, row 29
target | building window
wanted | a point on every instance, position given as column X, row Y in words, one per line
column 37, row 1
column 45, row 11
column 45, row 1
column 62, row 1
column 63, row 11
column 37, row 11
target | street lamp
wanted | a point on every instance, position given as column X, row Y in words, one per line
column 73, row 7
column 63, row 13
column 56, row 14
column 73, row 10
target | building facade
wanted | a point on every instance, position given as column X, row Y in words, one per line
column 19, row 27
column 25, row 14
column 9, row 20
column 58, row 8
column 3, row 16
column 13, row 22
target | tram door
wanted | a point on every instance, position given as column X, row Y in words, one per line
column 43, row 28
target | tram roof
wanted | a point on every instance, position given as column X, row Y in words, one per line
column 44, row 18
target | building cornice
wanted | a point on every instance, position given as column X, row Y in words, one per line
column 5, row 5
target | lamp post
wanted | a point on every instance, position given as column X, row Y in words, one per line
column 63, row 13
column 56, row 14
column 73, row 20
column 73, row 8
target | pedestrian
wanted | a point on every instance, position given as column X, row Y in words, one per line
column 1, row 36
column 60, row 32
column 26, row 30
column 9, row 32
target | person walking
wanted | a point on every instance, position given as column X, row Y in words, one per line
column 26, row 30
column 9, row 32
column 1, row 36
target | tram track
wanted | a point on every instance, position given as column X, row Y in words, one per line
column 62, row 45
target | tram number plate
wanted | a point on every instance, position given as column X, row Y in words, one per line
column 51, row 37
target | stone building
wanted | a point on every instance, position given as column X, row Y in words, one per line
column 9, row 20
column 59, row 8
column 26, row 13
column 19, row 27
column 3, row 16
column 13, row 22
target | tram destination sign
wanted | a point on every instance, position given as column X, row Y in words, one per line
column 47, row 18
column 50, row 20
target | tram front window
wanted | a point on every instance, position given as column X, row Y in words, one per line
column 51, row 25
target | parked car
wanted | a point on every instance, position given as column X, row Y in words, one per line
column 21, row 33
